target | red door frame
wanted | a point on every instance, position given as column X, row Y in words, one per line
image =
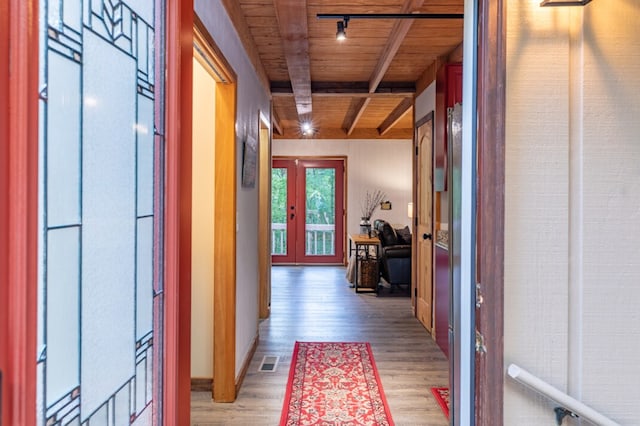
column 177, row 229
column 18, row 208
column 296, row 191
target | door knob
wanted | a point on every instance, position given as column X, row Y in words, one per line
column 426, row 236
column 292, row 216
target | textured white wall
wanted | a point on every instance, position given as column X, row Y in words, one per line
column 251, row 100
column 371, row 165
column 572, row 259
column 202, row 222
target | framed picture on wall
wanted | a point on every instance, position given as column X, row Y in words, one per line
column 249, row 162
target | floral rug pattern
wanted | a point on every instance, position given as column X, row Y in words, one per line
column 334, row 384
column 442, row 396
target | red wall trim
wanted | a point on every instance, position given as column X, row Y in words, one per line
column 19, row 188
column 177, row 231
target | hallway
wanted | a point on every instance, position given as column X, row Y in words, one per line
column 316, row 304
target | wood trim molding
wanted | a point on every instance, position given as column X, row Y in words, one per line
column 490, row 221
column 19, row 209
column 177, row 230
column 224, row 242
column 264, row 218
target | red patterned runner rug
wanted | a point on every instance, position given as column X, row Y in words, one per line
column 334, row 384
column 442, row 396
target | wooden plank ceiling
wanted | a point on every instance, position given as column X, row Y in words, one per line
column 362, row 87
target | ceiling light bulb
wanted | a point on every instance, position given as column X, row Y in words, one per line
column 306, row 128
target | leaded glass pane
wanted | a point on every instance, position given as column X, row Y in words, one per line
column 63, row 150
column 72, row 15
column 122, row 410
column 108, row 236
column 144, row 285
column 143, row 8
column 141, row 373
column 144, row 131
column 63, row 300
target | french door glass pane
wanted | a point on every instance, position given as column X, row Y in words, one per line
column 320, row 223
column 279, row 211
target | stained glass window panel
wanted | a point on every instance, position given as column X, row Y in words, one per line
column 97, row 178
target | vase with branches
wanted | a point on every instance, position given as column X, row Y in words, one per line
column 369, row 204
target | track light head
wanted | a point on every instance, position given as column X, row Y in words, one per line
column 341, row 35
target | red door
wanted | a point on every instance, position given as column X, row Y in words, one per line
column 307, row 211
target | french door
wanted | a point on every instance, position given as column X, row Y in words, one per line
column 307, row 211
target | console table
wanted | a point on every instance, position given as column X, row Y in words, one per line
column 365, row 248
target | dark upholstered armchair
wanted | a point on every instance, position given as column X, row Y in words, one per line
column 395, row 253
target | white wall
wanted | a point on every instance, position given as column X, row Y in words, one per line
column 572, row 261
column 202, row 222
column 371, row 164
column 251, row 99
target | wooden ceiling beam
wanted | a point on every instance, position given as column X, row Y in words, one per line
column 349, row 95
column 275, row 122
column 429, row 74
column 240, row 24
column 403, row 108
column 456, row 54
column 427, row 77
column 334, row 133
column 358, row 88
column 398, row 33
column 292, row 22
column 355, row 112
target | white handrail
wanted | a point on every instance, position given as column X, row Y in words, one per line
column 560, row 397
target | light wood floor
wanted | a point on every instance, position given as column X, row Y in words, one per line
column 315, row 303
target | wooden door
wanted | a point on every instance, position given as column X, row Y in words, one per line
column 424, row 226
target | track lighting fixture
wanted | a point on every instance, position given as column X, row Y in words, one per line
column 342, row 25
column 341, row 34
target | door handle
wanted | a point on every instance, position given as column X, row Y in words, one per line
column 292, row 216
column 426, row 236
